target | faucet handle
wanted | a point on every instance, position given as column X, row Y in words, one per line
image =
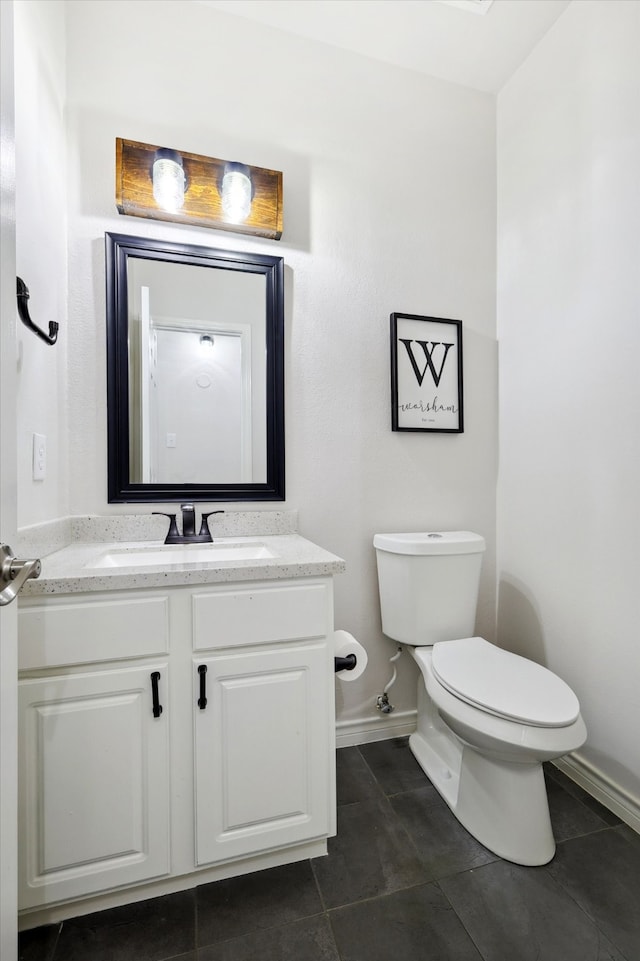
column 173, row 526
column 204, row 526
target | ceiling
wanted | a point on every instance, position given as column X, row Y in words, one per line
column 477, row 43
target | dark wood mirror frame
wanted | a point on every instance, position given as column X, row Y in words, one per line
column 119, row 248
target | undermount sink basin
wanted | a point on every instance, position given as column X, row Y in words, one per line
column 182, row 554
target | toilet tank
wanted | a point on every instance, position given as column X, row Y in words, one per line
column 428, row 585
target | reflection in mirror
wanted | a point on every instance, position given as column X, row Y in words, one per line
column 195, row 373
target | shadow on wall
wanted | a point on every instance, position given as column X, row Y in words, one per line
column 519, row 627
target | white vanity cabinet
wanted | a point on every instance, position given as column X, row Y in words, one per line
column 263, row 719
column 94, row 745
column 236, row 772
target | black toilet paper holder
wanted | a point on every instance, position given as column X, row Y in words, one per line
column 344, row 663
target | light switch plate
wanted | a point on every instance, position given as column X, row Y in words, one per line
column 39, row 456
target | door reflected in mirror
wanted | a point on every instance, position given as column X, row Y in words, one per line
column 195, row 373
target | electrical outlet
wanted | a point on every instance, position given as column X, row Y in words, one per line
column 39, row 456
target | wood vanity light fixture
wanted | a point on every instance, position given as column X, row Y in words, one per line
column 160, row 183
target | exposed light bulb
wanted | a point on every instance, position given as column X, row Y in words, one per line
column 237, row 192
column 169, row 182
column 206, row 341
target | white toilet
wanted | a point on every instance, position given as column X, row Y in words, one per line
column 487, row 719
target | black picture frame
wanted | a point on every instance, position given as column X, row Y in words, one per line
column 426, row 374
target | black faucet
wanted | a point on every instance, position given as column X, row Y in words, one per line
column 188, row 535
column 188, row 520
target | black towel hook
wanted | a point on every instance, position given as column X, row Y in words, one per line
column 23, row 310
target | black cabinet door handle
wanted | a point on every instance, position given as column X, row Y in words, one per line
column 157, row 706
column 202, row 700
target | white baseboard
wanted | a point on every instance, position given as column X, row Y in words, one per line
column 380, row 728
column 602, row 788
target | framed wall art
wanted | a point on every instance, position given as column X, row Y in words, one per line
column 426, row 374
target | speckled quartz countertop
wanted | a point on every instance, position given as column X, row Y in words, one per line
column 75, row 553
column 74, row 568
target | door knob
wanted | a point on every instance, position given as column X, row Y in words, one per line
column 13, row 573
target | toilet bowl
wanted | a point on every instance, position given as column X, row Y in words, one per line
column 492, row 773
column 487, row 719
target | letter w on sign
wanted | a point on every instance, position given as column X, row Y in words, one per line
column 428, row 348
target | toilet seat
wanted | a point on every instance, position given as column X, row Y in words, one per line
column 503, row 684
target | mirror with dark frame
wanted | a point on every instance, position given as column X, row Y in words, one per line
column 195, row 373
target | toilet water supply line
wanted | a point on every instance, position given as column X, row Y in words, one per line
column 382, row 700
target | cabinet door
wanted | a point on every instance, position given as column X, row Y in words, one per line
column 94, row 782
column 262, row 750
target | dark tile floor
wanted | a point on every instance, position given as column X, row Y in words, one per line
column 403, row 882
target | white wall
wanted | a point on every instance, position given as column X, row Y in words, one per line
column 389, row 206
column 569, row 342
column 41, row 252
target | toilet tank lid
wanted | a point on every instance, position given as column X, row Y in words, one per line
column 430, row 542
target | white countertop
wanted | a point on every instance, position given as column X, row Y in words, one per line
column 70, row 570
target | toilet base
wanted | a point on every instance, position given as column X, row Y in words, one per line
column 503, row 804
